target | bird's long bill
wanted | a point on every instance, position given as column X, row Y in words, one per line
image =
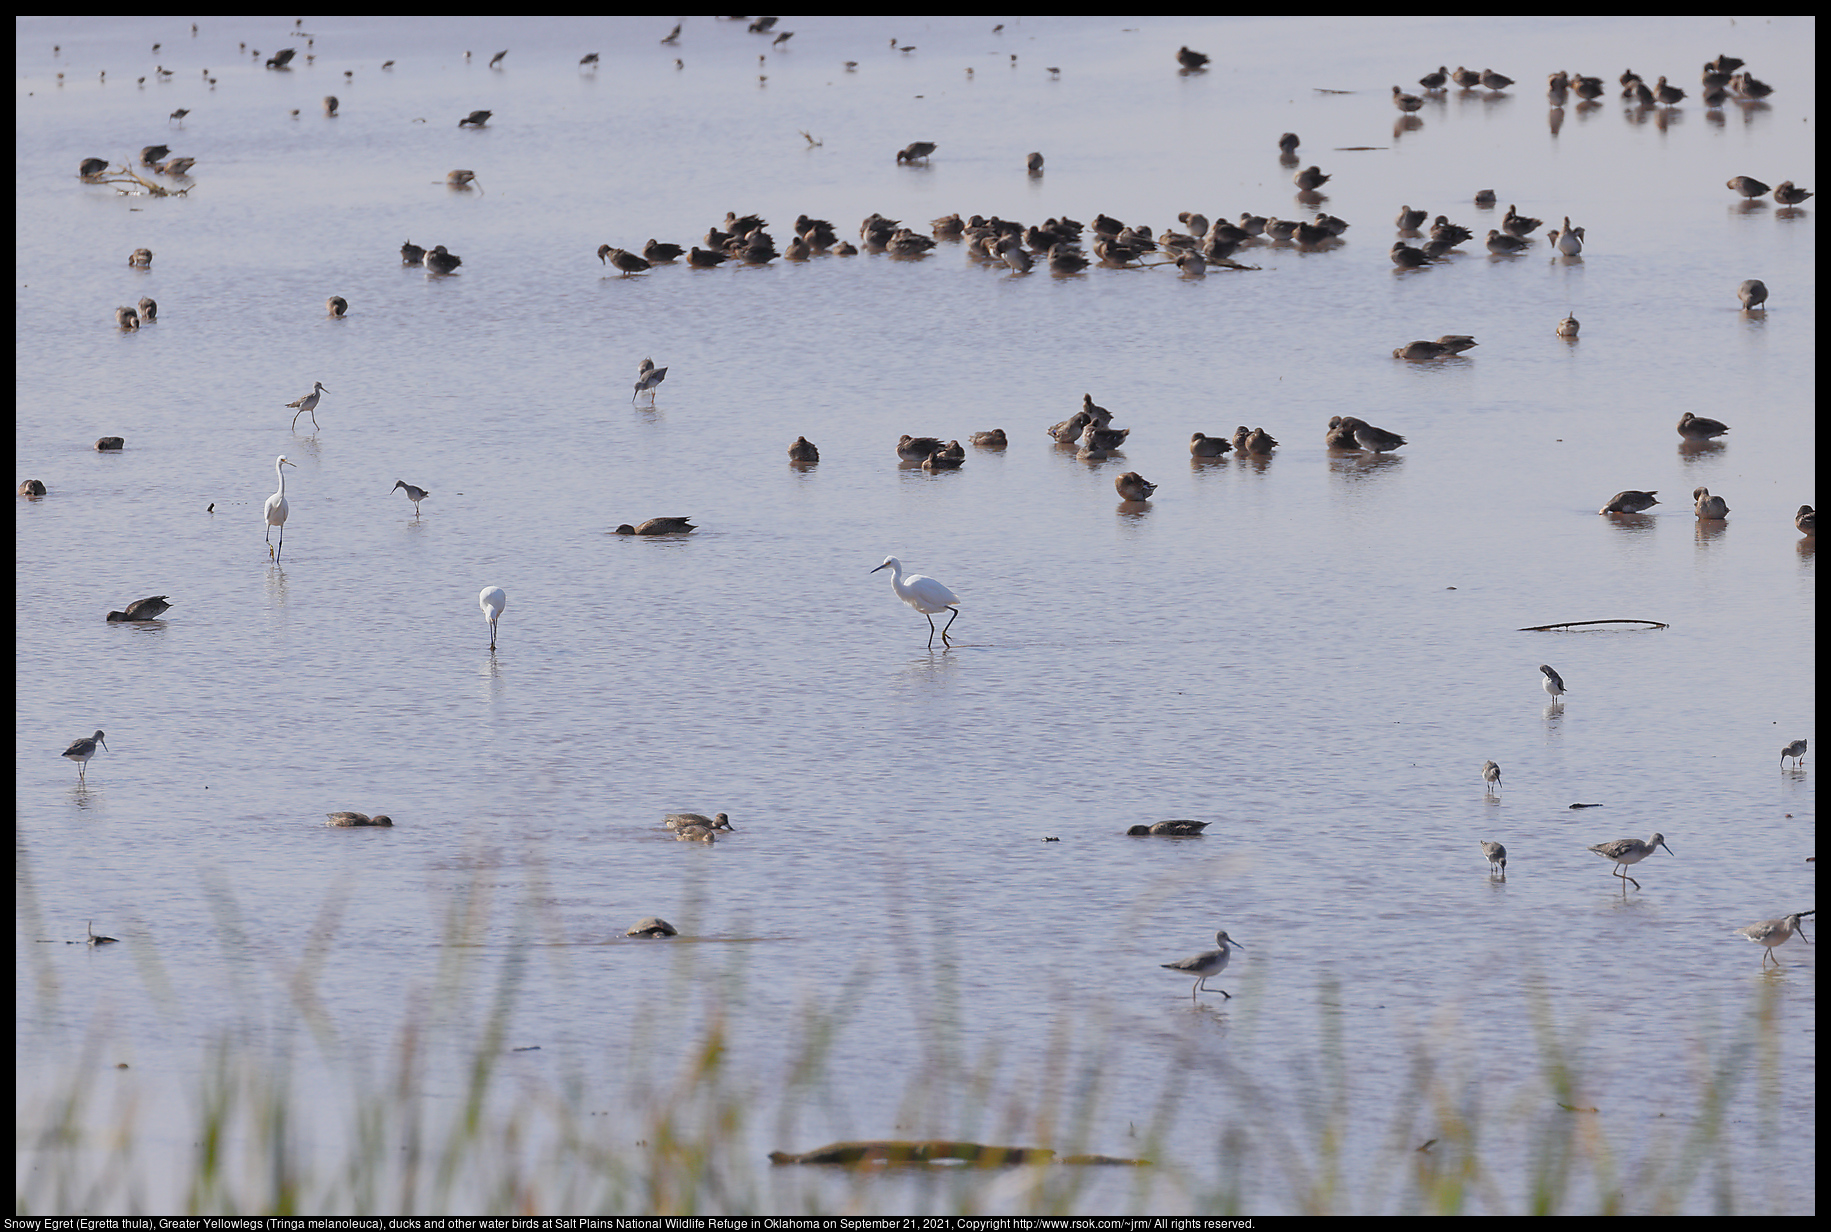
column 885, row 565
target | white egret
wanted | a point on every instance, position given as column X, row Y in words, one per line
column 925, row 595
column 80, row 751
column 308, row 405
column 492, row 601
column 276, row 509
column 1205, row 965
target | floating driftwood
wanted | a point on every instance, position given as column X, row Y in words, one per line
column 121, row 177
column 1571, row 624
column 938, row 1150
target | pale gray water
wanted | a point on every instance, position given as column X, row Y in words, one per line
column 1316, row 653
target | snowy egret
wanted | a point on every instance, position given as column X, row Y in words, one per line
column 1625, row 851
column 1206, row 965
column 648, row 376
column 1771, row 933
column 1554, row 683
column 80, row 751
column 1176, row 829
column 276, row 509
column 925, row 595
column 141, row 609
column 1795, row 750
column 416, row 495
column 1631, row 501
column 357, row 819
column 492, row 601
column 1496, row 853
column 1490, row 774
column 308, row 405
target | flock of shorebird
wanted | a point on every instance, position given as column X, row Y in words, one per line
column 1057, row 241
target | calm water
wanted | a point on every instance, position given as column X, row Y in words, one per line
column 1313, row 652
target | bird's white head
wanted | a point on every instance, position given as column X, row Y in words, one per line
column 281, row 461
column 891, row 563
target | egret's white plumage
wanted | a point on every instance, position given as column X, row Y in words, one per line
column 925, row 595
column 492, row 601
column 276, row 509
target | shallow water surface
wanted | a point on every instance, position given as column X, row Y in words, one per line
column 1313, row 651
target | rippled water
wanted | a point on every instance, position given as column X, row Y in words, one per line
column 1314, row 652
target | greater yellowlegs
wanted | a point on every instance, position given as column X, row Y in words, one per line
column 925, row 595
column 276, row 510
column 1771, row 933
column 1206, row 965
column 80, row 751
column 308, row 405
column 648, row 377
column 1490, row 774
column 1795, row 750
column 416, row 495
column 1554, row 683
column 1626, row 851
column 1497, row 854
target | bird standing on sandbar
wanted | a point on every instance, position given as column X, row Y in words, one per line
column 1206, row 965
column 925, row 595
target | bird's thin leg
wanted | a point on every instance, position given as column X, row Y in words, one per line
column 931, row 630
column 282, row 548
column 314, row 417
column 949, row 625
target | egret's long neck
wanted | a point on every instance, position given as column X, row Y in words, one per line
column 281, row 472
